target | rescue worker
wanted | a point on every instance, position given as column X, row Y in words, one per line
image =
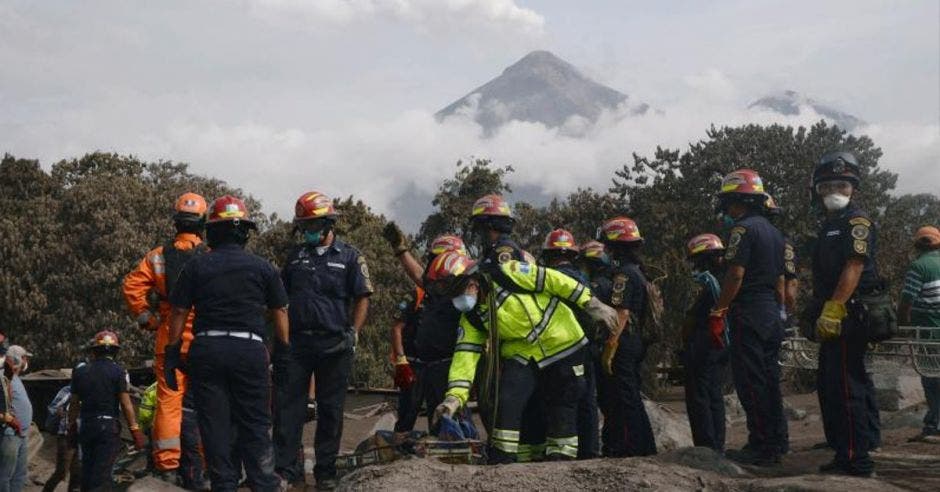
column 230, row 289
column 627, row 430
column 99, row 393
column 704, row 363
column 328, row 284
column 539, row 344
column 491, row 225
column 560, row 251
column 750, row 299
column 429, row 330
column 175, row 437
column 920, row 306
column 843, row 266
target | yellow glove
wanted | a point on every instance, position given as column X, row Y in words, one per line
column 829, row 324
column 607, row 356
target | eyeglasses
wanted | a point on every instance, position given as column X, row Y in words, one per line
column 835, row 186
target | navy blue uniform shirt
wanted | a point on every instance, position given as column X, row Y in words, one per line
column 98, row 385
column 627, row 289
column 321, row 288
column 846, row 235
column 501, row 251
column 758, row 246
column 230, row 289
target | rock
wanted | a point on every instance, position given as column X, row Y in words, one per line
column 704, row 459
column 896, row 388
column 670, row 429
column 152, row 484
column 386, row 422
column 793, row 413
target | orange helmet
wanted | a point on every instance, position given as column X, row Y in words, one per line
column 619, row 230
column 491, row 206
column 450, row 264
column 106, row 339
column 191, row 203
column 229, row 209
column 314, row 205
column 742, row 182
column 560, row 240
column 703, row 243
column 927, row 236
column 594, row 250
column 445, row 243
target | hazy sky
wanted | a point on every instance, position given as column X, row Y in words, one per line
column 281, row 96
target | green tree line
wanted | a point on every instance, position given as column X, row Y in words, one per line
column 69, row 235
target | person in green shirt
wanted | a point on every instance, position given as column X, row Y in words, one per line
column 920, row 306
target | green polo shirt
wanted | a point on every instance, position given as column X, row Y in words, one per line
column 922, row 289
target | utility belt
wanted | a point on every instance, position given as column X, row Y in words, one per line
column 873, row 309
column 244, row 335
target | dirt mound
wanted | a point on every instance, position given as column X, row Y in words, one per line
column 686, row 469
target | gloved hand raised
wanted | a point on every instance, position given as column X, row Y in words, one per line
column 604, row 314
column 448, row 407
column 172, row 360
column 404, row 375
column 829, row 324
column 396, row 239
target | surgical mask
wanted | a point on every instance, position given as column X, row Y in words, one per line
column 464, row 302
column 313, row 237
column 835, row 201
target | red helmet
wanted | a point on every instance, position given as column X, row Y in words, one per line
column 445, row 243
column 229, row 209
column 594, row 250
column 559, row 240
column 314, row 205
column 450, row 264
column 742, row 182
column 620, row 230
column 491, row 206
column 106, row 339
column 703, row 243
column 191, row 203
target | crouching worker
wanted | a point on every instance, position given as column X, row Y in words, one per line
column 99, row 393
column 704, row 358
column 537, row 342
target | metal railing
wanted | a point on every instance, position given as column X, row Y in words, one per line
column 916, row 347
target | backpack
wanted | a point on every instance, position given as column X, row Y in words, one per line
column 174, row 261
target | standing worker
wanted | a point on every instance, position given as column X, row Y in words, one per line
column 328, row 285
column 99, row 392
column 560, row 251
column 175, row 436
column 230, row 289
column 538, row 341
column 704, row 363
column 491, row 225
column 751, row 295
column 920, row 306
column 843, row 266
column 627, row 430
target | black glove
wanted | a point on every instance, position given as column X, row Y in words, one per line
column 394, row 236
column 172, row 360
column 281, row 359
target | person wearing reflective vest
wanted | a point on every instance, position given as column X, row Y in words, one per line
column 540, row 346
column 175, row 436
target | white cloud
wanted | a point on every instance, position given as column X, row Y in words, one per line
column 424, row 15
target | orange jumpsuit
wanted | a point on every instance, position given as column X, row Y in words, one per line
column 150, row 276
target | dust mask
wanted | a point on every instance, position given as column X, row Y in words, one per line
column 835, row 201
column 464, row 302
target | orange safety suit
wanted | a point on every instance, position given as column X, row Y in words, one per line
column 150, row 275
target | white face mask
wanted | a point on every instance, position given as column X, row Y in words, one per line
column 464, row 302
column 835, row 201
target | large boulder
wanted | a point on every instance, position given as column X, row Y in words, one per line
column 896, row 387
column 671, row 429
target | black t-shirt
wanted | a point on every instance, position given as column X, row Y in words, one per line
column 230, row 289
column 758, row 246
column 849, row 234
column 436, row 335
column 98, row 385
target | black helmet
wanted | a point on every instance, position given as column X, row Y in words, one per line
column 837, row 166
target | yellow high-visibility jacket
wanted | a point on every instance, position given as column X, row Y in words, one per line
column 148, row 404
column 533, row 319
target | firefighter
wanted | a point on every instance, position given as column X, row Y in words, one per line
column 843, row 266
column 491, row 225
column 560, row 251
column 99, row 393
column 704, row 363
column 424, row 337
column 328, row 283
column 627, row 430
column 175, row 436
column 750, row 301
column 230, row 290
column 539, row 345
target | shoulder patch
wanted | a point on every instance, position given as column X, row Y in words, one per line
column 364, row 269
column 860, row 247
column 504, row 256
column 788, row 253
column 860, row 221
column 860, row 232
